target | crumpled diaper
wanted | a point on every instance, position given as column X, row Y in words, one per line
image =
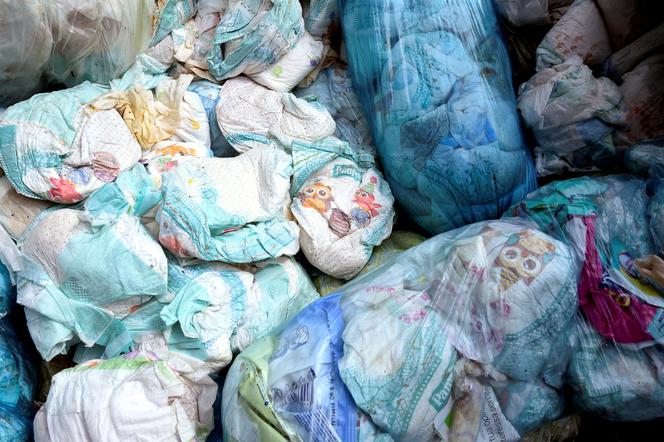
column 254, row 34
column 573, row 116
column 218, row 310
column 169, row 113
column 293, row 66
column 580, row 31
column 343, row 205
column 53, row 147
column 229, row 209
column 251, row 115
column 398, row 242
column 82, row 274
column 17, row 211
column 140, row 395
column 334, row 89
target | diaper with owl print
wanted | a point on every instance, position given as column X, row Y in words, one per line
column 343, row 205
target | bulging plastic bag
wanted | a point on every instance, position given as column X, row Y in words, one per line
column 615, row 367
column 96, row 40
column 25, row 47
column 17, row 386
column 466, row 334
column 17, row 372
column 434, row 81
column 157, row 396
column 573, row 117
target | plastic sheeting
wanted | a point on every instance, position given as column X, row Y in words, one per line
column 464, row 335
column 71, row 41
column 434, row 81
column 615, row 366
column 17, row 372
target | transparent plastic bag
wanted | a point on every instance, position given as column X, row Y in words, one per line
column 615, row 369
column 434, row 79
column 17, row 373
column 465, row 334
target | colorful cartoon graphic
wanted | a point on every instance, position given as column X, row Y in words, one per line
column 64, row 191
column 522, row 258
column 365, row 202
column 317, row 196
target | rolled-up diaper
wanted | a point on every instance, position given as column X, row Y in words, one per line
column 229, row 209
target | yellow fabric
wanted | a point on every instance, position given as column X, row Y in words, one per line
column 151, row 117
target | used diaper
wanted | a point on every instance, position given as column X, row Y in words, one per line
column 165, row 397
column 293, row 66
column 397, row 243
column 251, row 115
column 17, row 211
column 80, row 278
column 252, row 35
column 343, row 205
column 53, row 147
column 218, row 310
column 229, row 209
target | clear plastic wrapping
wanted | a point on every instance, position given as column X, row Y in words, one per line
column 469, row 326
column 71, row 41
column 435, row 82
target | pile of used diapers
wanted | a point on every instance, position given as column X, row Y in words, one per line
column 321, row 220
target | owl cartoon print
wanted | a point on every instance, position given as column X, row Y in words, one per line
column 522, row 258
column 318, row 196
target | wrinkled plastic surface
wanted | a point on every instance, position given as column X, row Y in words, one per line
column 573, row 116
column 17, row 373
column 466, row 334
column 615, row 366
column 72, row 41
column 435, row 82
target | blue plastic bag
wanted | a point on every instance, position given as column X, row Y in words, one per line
column 434, row 80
